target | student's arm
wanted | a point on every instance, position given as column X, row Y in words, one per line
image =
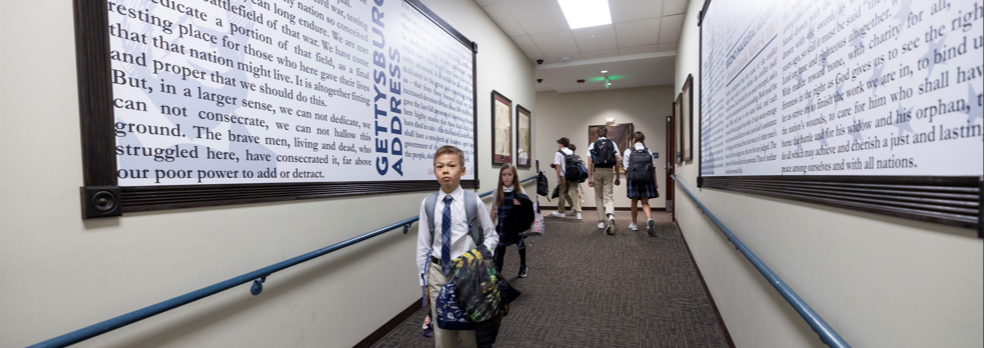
column 491, row 239
column 591, row 166
column 423, row 241
column 656, row 183
column 615, row 168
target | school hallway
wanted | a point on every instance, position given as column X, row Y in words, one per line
column 588, row 289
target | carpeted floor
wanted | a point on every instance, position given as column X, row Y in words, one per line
column 587, row 289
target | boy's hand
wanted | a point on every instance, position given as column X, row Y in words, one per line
column 591, row 183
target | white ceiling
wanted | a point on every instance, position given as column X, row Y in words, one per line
column 639, row 28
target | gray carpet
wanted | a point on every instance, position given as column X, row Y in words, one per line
column 587, row 289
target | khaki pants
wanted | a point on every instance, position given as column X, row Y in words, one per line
column 444, row 338
column 603, row 178
column 568, row 190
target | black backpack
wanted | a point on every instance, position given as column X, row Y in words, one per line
column 640, row 166
column 604, row 153
column 543, row 188
column 574, row 168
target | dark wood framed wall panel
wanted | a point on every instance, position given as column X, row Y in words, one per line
column 103, row 197
column 954, row 201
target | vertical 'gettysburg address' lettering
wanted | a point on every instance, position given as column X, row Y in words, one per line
column 393, row 147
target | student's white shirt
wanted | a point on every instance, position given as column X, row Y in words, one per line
column 625, row 155
column 559, row 158
column 592, row 147
column 461, row 242
column 495, row 193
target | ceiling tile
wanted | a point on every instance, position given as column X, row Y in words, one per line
column 488, row 2
column 667, row 47
column 504, row 18
column 597, row 38
column 556, row 44
column 638, row 33
column 637, row 50
column 673, row 7
column 601, row 54
column 632, row 10
column 539, row 16
column 670, row 28
column 528, row 47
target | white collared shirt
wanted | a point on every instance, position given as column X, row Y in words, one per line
column 625, row 155
column 461, row 242
column 592, row 147
column 559, row 158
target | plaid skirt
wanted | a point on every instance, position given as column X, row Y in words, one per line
column 641, row 190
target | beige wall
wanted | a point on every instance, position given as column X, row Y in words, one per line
column 569, row 115
column 878, row 281
column 60, row 273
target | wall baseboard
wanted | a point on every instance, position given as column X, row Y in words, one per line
column 554, row 207
column 721, row 322
column 377, row 335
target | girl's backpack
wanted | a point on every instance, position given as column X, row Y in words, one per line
column 640, row 166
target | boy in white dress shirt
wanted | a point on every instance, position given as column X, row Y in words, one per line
column 436, row 271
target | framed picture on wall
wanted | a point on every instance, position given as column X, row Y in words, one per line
column 687, row 113
column 678, row 130
column 523, row 147
column 621, row 134
column 502, row 122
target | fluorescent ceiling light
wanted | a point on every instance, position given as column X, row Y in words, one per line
column 605, row 71
column 586, row 13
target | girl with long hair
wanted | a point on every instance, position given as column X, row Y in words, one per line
column 504, row 200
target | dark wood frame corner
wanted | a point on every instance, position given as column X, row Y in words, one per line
column 492, row 116
column 678, row 130
column 529, row 136
column 101, row 195
column 687, row 93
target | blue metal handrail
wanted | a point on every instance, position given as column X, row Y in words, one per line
column 257, row 277
column 823, row 330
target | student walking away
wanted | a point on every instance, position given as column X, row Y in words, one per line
column 453, row 222
column 604, row 167
column 581, row 190
column 641, row 180
column 513, row 213
column 570, row 171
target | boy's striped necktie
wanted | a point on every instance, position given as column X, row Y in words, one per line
column 446, row 237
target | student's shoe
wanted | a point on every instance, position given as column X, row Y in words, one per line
column 649, row 228
column 578, row 216
column 523, row 271
column 601, row 225
column 558, row 215
column 611, row 226
column 633, row 227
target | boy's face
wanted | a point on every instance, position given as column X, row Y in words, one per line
column 448, row 170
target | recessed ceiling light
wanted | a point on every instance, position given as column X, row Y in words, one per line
column 586, row 13
column 605, row 71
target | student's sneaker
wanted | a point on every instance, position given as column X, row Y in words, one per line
column 523, row 271
column 650, row 228
column 601, row 225
column 558, row 214
column 633, row 227
column 610, row 228
column 578, row 216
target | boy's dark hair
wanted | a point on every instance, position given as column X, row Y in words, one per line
column 572, row 147
column 601, row 131
column 450, row 150
column 564, row 142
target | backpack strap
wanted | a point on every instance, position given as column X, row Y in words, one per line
column 472, row 217
column 429, row 203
